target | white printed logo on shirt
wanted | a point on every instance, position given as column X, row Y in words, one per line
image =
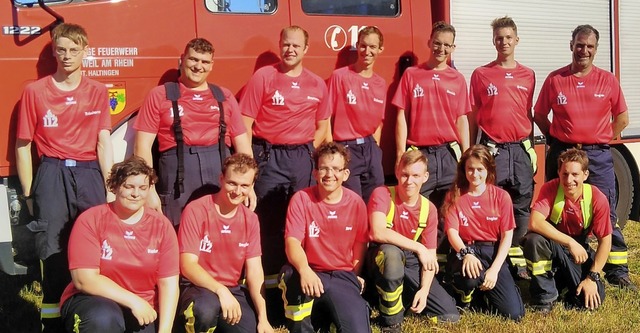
column 508, row 76
column 332, row 215
column 197, row 97
column 562, row 99
column 418, row 91
column 492, row 218
column 314, row 230
column 436, row 77
column 225, row 229
column 580, row 85
column 295, row 85
column 246, row 244
column 49, row 120
column 129, row 235
column 205, row 244
column 492, row 90
column 70, row 101
column 404, row 215
column 351, row 98
column 475, row 205
column 277, row 99
column 365, row 85
column 463, row 219
column 107, row 251
column 180, row 111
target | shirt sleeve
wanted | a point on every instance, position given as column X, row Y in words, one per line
column 27, row 119
column 601, row 221
column 464, row 104
column 506, row 208
column 618, row 102
column 255, row 247
column 294, row 225
column 400, row 97
column 363, row 222
column 545, row 199
column 189, row 234
column 543, row 104
column 380, row 201
column 429, row 236
column 333, row 87
column 169, row 257
column 474, row 96
column 85, row 247
column 233, row 116
column 251, row 101
column 103, row 103
column 148, row 119
column 324, row 108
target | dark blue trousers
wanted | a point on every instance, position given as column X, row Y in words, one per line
column 365, row 166
column 95, row 314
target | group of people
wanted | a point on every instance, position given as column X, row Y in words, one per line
column 456, row 231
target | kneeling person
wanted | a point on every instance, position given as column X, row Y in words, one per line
column 567, row 211
column 404, row 263
column 326, row 236
column 219, row 236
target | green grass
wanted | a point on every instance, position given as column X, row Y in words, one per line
column 20, row 301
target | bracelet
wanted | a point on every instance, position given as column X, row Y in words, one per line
column 464, row 251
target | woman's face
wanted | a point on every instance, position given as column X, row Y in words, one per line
column 132, row 194
column 476, row 172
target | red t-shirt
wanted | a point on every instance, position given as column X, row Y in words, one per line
column 504, row 100
column 199, row 113
column 64, row 124
column 484, row 218
column 328, row 232
column 406, row 218
column 582, row 106
column 358, row 103
column 221, row 244
column 571, row 221
column 434, row 100
column 285, row 108
column 134, row 256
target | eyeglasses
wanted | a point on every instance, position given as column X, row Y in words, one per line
column 439, row 45
column 325, row 170
column 73, row 51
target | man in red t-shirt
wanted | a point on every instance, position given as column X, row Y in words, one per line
column 325, row 240
column 589, row 110
column 358, row 100
column 219, row 237
column 67, row 116
column 403, row 263
column 200, row 117
column 501, row 97
column 566, row 212
column 286, row 111
column 433, row 104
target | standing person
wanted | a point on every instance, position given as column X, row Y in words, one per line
column 199, row 115
column 67, row 116
column 358, row 100
column 123, row 259
column 326, row 239
column 403, row 262
column 286, row 112
column 479, row 224
column 219, row 238
column 502, row 98
column 433, row 95
column 557, row 246
column 589, row 110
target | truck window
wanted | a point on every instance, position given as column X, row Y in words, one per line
column 242, row 6
column 352, row 7
column 29, row 3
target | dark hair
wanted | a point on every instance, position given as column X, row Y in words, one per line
column 132, row 166
column 461, row 183
column 74, row 32
column 574, row 155
column 295, row 28
column 366, row 31
column 199, row 45
column 585, row 29
column 330, row 148
column 240, row 163
column 504, row 22
column 442, row 26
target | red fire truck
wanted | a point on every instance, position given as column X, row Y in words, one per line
column 135, row 45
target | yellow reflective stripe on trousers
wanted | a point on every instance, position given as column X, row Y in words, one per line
column 390, row 296
column 397, row 308
column 295, row 312
column 539, row 267
column 457, row 151
column 465, row 298
column 191, row 320
column 618, row 258
column 271, row 281
column 442, row 258
column 519, row 262
column 531, row 151
column 76, row 323
column 515, row 251
column 50, row 310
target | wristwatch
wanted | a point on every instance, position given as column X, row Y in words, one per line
column 594, row 276
column 464, row 251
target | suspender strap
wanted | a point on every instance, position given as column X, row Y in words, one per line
column 586, row 205
column 172, row 90
column 219, row 96
column 422, row 220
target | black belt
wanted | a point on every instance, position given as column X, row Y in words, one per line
column 565, row 145
column 267, row 144
column 357, row 141
column 70, row 163
column 432, row 149
column 481, row 243
column 485, row 140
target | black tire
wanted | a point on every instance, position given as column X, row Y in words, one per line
column 624, row 187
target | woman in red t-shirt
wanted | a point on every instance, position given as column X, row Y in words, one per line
column 479, row 224
column 123, row 260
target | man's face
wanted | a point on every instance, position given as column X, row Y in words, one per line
column 331, row 172
column 411, row 177
column 236, row 186
column 195, row 68
column 368, row 49
column 572, row 177
column 505, row 41
column 584, row 48
column 68, row 54
column 292, row 48
column 441, row 45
